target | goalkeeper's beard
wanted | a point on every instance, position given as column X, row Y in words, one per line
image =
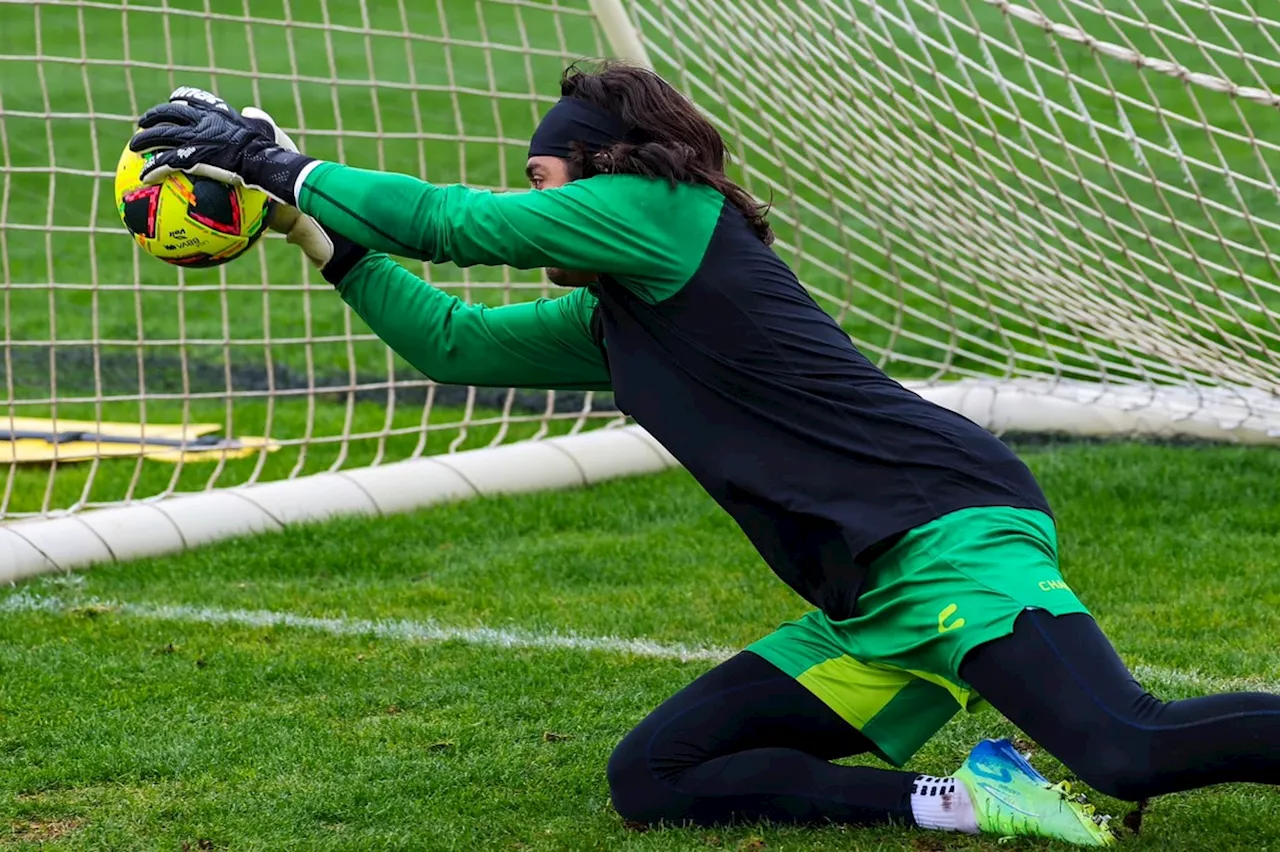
column 570, row 277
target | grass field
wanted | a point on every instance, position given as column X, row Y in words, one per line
column 455, row 679
column 170, row 705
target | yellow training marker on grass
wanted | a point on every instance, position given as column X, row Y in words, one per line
column 35, row 440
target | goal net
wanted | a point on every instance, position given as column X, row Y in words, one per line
column 103, row 340
column 1069, row 206
column 1051, row 215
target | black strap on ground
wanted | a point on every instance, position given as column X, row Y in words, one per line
column 54, row 438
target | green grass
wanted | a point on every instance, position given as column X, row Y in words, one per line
column 120, row 732
column 124, row 732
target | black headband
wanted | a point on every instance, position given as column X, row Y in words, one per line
column 574, row 120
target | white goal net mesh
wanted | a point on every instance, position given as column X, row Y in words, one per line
column 1075, row 197
column 102, row 340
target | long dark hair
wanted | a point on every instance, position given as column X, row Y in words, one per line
column 672, row 140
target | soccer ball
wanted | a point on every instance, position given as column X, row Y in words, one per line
column 188, row 220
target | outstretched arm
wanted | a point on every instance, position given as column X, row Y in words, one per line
column 545, row 344
column 541, row 344
column 643, row 231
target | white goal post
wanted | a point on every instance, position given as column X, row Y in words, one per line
column 1054, row 216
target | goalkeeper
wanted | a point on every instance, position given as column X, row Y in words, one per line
column 925, row 546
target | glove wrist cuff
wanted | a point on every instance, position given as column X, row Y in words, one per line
column 276, row 171
column 346, row 255
column 298, row 181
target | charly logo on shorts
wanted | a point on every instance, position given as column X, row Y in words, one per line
column 1054, row 586
column 943, row 626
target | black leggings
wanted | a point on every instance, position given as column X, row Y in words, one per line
column 746, row 741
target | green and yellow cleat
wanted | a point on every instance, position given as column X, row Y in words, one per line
column 1010, row 798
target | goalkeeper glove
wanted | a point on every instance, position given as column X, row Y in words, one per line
column 332, row 253
column 256, row 132
column 197, row 133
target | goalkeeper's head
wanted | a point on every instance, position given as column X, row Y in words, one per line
column 618, row 118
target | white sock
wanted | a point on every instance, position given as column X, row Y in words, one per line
column 943, row 804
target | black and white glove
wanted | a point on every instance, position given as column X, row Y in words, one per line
column 197, row 133
column 333, row 254
column 248, row 149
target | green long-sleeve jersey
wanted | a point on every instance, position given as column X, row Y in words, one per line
column 626, row 226
column 707, row 340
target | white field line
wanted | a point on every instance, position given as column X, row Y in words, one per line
column 396, row 629
column 430, row 631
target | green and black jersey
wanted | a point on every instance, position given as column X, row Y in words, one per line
column 707, row 340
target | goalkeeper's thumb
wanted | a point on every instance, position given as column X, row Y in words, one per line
column 304, row 232
column 333, row 254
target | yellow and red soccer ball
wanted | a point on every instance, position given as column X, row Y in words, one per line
column 187, row 220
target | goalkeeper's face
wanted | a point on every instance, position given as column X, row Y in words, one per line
column 549, row 173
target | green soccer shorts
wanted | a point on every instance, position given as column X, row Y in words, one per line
column 892, row 671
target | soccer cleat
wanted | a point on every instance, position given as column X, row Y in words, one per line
column 1010, row 798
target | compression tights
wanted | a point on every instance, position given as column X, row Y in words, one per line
column 746, row 741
